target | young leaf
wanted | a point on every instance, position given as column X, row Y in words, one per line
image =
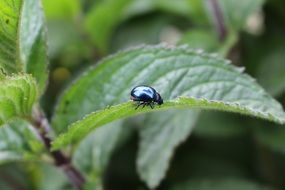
column 17, row 96
column 18, row 142
column 203, row 81
column 161, row 133
column 32, row 41
column 93, row 153
column 22, row 39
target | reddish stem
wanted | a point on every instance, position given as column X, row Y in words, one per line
column 62, row 161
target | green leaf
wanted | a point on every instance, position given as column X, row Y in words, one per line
column 49, row 177
column 93, row 153
column 160, row 134
column 32, row 41
column 203, row 81
column 101, row 21
column 18, row 94
column 9, row 20
column 19, row 142
column 236, row 13
column 81, row 128
column 22, row 37
column 220, row 184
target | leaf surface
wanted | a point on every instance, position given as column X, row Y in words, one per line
column 200, row 80
column 160, row 134
column 18, row 142
column 18, row 94
column 93, row 153
column 32, row 41
column 9, row 20
column 22, row 36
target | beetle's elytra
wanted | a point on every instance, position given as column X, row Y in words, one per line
column 145, row 96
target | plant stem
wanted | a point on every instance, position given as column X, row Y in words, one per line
column 62, row 161
column 218, row 19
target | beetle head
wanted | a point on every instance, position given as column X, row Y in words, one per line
column 159, row 100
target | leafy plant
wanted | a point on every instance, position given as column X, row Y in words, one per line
column 71, row 125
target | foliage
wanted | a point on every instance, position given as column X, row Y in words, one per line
column 150, row 62
column 18, row 93
column 71, row 125
column 23, row 43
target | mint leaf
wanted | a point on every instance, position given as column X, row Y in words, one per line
column 18, row 94
column 23, row 43
column 185, row 79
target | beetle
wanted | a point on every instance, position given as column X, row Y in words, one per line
column 145, row 96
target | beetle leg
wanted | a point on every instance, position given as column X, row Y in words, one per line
column 139, row 104
column 151, row 105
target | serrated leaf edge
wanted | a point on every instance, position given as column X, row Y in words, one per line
column 180, row 102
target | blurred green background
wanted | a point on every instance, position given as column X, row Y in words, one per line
column 225, row 151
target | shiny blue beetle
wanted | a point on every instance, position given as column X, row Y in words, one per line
column 145, row 96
